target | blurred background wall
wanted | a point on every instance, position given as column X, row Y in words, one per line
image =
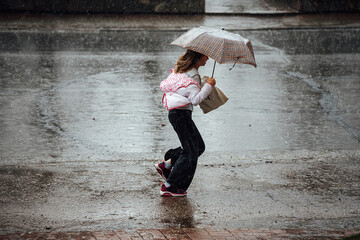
column 104, row 6
column 161, row 6
column 316, row 6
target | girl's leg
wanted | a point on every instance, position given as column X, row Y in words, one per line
column 192, row 144
column 201, row 144
column 173, row 154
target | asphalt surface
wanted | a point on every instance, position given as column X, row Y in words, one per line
column 247, row 7
column 82, row 125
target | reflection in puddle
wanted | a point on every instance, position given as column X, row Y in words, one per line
column 177, row 212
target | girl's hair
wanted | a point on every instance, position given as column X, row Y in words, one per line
column 187, row 61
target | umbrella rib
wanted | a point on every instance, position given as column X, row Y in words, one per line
column 223, row 49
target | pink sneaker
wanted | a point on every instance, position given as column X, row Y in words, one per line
column 172, row 192
column 162, row 170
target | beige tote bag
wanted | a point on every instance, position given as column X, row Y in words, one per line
column 215, row 99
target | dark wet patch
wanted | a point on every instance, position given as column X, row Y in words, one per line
column 309, row 41
column 293, row 41
column 177, row 212
column 24, row 184
column 326, row 180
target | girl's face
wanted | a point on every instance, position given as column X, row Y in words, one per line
column 202, row 61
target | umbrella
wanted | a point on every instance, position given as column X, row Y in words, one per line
column 219, row 44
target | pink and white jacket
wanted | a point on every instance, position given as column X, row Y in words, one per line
column 180, row 90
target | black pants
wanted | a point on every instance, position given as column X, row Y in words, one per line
column 184, row 158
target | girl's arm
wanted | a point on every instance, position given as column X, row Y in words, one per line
column 195, row 95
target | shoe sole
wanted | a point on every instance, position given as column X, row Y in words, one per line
column 170, row 194
column 160, row 171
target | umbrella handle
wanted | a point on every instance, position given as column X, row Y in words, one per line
column 212, row 75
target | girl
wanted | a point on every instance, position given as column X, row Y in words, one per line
column 181, row 92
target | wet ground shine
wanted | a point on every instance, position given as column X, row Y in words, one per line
column 82, row 124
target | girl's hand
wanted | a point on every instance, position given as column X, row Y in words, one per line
column 211, row 81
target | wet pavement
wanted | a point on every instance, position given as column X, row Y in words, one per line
column 247, row 7
column 82, row 124
column 103, row 23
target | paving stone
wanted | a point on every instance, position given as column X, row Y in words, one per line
column 197, row 233
column 109, row 235
column 220, row 233
column 127, row 235
column 151, row 234
column 173, row 234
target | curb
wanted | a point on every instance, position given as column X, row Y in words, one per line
column 193, row 233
